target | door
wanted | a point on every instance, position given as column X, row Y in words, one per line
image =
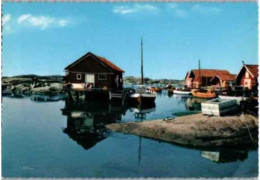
column 90, row 79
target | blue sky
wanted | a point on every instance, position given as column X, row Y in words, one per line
column 43, row 38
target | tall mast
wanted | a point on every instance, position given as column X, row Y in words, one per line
column 142, row 70
column 199, row 73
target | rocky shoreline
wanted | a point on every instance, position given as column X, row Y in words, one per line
column 32, row 84
column 196, row 130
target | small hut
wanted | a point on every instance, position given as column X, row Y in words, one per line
column 93, row 72
column 248, row 76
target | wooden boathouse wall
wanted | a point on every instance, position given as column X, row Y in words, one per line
column 106, row 74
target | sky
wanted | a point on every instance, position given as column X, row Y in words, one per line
column 43, row 38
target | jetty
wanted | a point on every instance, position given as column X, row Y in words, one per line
column 196, row 130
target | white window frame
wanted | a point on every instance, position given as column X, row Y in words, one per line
column 78, row 76
column 101, row 78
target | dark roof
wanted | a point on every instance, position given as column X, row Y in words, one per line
column 101, row 59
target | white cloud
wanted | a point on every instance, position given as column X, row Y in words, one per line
column 63, row 22
column 134, row 9
column 42, row 22
column 23, row 17
column 206, row 9
column 178, row 12
column 6, row 24
column 6, row 18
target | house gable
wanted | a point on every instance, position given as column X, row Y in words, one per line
column 90, row 65
column 93, row 63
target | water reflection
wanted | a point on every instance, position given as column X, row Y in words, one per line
column 140, row 111
column 225, row 155
column 47, row 98
column 86, row 121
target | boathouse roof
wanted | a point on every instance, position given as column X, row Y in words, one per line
column 225, row 77
column 207, row 73
column 251, row 68
column 102, row 60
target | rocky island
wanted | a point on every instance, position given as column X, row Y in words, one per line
column 196, row 130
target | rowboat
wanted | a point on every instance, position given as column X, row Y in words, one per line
column 203, row 94
column 237, row 98
column 181, row 92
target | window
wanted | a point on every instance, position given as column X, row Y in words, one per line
column 78, row 76
column 102, row 77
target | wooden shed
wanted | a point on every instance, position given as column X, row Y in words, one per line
column 197, row 78
column 248, row 76
column 94, row 72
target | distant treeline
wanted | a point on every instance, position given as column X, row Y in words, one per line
column 137, row 80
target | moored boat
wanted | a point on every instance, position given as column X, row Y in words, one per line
column 142, row 98
column 203, row 94
column 182, row 92
column 237, row 98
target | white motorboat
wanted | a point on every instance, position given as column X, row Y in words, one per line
column 181, row 92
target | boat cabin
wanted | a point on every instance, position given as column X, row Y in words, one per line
column 200, row 78
column 248, row 76
column 94, row 72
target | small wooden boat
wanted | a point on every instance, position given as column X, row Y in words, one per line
column 142, row 98
column 203, row 94
column 237, row 98
column 184, row 92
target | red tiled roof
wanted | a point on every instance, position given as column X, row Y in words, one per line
column 209, row 73
column 101, row 59
column 253, row 69
column 109, row 63
column 226, row 77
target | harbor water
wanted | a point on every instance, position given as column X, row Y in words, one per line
column 50, row 137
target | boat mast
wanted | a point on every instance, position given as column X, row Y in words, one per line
column 142, row 70
column 199, row 75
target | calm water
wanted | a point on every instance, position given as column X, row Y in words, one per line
column 49, row 138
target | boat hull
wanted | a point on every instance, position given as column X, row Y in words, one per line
column 181, row 92
column 138, row 98
column 237, row 98
column 207, row 95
